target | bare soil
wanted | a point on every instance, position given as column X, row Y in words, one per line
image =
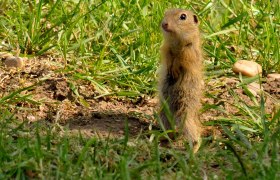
column 53, row 100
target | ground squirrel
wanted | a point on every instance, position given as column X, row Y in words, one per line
column 181, row 74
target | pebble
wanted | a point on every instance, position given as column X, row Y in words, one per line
column 273, row 76
column 254, row 88
column 247, row 68
column 31, row 118
column 12, row 61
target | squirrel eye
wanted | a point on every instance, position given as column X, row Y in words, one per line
column 183, row 17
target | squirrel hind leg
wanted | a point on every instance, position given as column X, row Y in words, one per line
column 192, row 132
column 167, row 125
column 164, row 120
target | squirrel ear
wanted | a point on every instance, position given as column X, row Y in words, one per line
column 195, row 19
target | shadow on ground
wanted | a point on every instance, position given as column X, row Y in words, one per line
column 108, row 123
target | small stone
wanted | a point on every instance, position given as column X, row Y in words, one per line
column 12, row 61
column 31, row 118
column 254, row 88
column 273, row 76
column 247, row 68
column 231, row 81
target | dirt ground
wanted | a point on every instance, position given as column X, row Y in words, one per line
column 52, row 100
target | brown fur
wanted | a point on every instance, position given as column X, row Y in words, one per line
column 181, row 73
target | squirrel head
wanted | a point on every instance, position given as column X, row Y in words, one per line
column 180, row 26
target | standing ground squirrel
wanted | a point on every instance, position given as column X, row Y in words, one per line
column 181, row 74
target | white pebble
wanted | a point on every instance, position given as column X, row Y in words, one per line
column 247, row 68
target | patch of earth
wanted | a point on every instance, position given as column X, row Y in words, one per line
column 53, row 100
column 225, row 97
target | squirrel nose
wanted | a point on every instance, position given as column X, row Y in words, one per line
column 164, row 25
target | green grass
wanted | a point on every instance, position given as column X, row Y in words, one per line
column 114, row 46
